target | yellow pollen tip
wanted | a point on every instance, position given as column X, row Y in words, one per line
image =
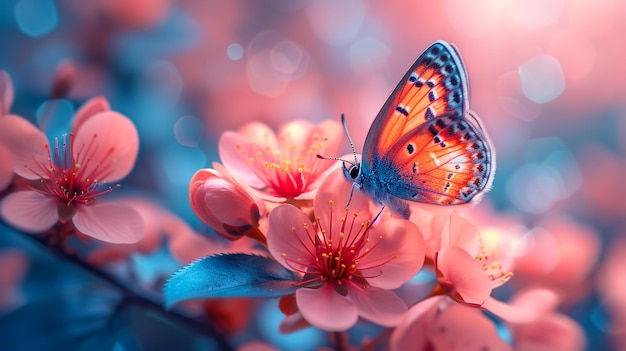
column 283, row 254
column 293, row 229
column 330, row 202
column 300, row 170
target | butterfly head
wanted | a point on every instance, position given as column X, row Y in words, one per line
column 352, row 171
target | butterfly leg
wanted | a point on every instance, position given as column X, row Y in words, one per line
column 354, row 185
column 378, row 215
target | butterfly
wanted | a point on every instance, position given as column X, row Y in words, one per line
column 425, row 144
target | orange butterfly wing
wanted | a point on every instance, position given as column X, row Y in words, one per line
column 425, row 145
column 434, row 85
column 447, row 161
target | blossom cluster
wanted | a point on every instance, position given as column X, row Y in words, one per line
column 294, row 228
column 351, row 263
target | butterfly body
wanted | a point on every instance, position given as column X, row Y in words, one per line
column 425, row 144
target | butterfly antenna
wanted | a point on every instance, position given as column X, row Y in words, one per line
column 345, row 129
column 356, row 162
column 335, row 159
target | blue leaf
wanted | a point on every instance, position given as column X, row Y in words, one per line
column 230, row 275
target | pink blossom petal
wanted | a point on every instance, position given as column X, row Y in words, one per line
column 396, row 254
column 542, row 300
column 90, row 108
column 106, row 146
column 337, row 189
column 467, row 277
column 326, row 309
column 229, row 203
column 27, row 143
column 111, row 222
column 327, row 138
column 461, row 325
column 6, row 167
column 378, row 305
column 29, row 211
column 550, row 332
column 415, row 327
column 512, row 313
column 430, row 220
column 292, row 248
column 236, row 150
column 7, row 94
column 460, row 232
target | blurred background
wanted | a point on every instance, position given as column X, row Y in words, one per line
column 547, row 78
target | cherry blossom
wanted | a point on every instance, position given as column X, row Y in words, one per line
column 347, row 263
column 284, row 165
column 64, row 178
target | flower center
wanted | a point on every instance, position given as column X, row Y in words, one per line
column 492, row 266
column 336, row 257
column 72, row 176
column 290, row 169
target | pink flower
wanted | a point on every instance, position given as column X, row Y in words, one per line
column 347, row 264
column 438, row 324
column 468, row 266
column 64, row 181
column 220, row 202
column 549, row 330
column 560, row 254
column 282, row 166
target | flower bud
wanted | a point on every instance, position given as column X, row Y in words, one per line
column 223, row 204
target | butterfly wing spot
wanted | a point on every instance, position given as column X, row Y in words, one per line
column 455, row 98
column 414, row 169
column 410, row 148
column 419, row 82
column 431, row 83
column 404, row 110
column 432, row 95
column 452, row 82
column 429, row 114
